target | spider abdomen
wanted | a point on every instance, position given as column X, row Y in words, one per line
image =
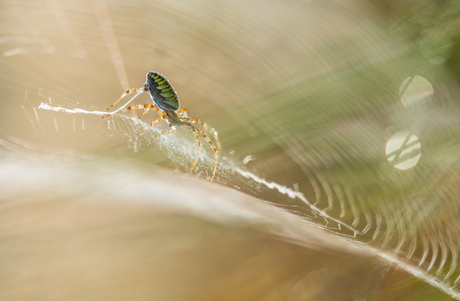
column 162, row 92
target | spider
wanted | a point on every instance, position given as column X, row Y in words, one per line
column 166, row 103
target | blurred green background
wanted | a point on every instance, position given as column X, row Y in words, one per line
column 351, row 106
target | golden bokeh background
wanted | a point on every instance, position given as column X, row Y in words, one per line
column 338, row 178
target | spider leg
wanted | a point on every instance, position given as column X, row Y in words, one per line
column 203, row 134
column 207, row 127
column 143, row 113
column 153, row 122
column 148, row 106
column 169, row 132
column 183, row 111
column 197, row 152
column 129, row 91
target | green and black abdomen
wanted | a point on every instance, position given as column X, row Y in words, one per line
column 162, row 92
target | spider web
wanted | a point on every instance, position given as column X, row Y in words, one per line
column 361, row 146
